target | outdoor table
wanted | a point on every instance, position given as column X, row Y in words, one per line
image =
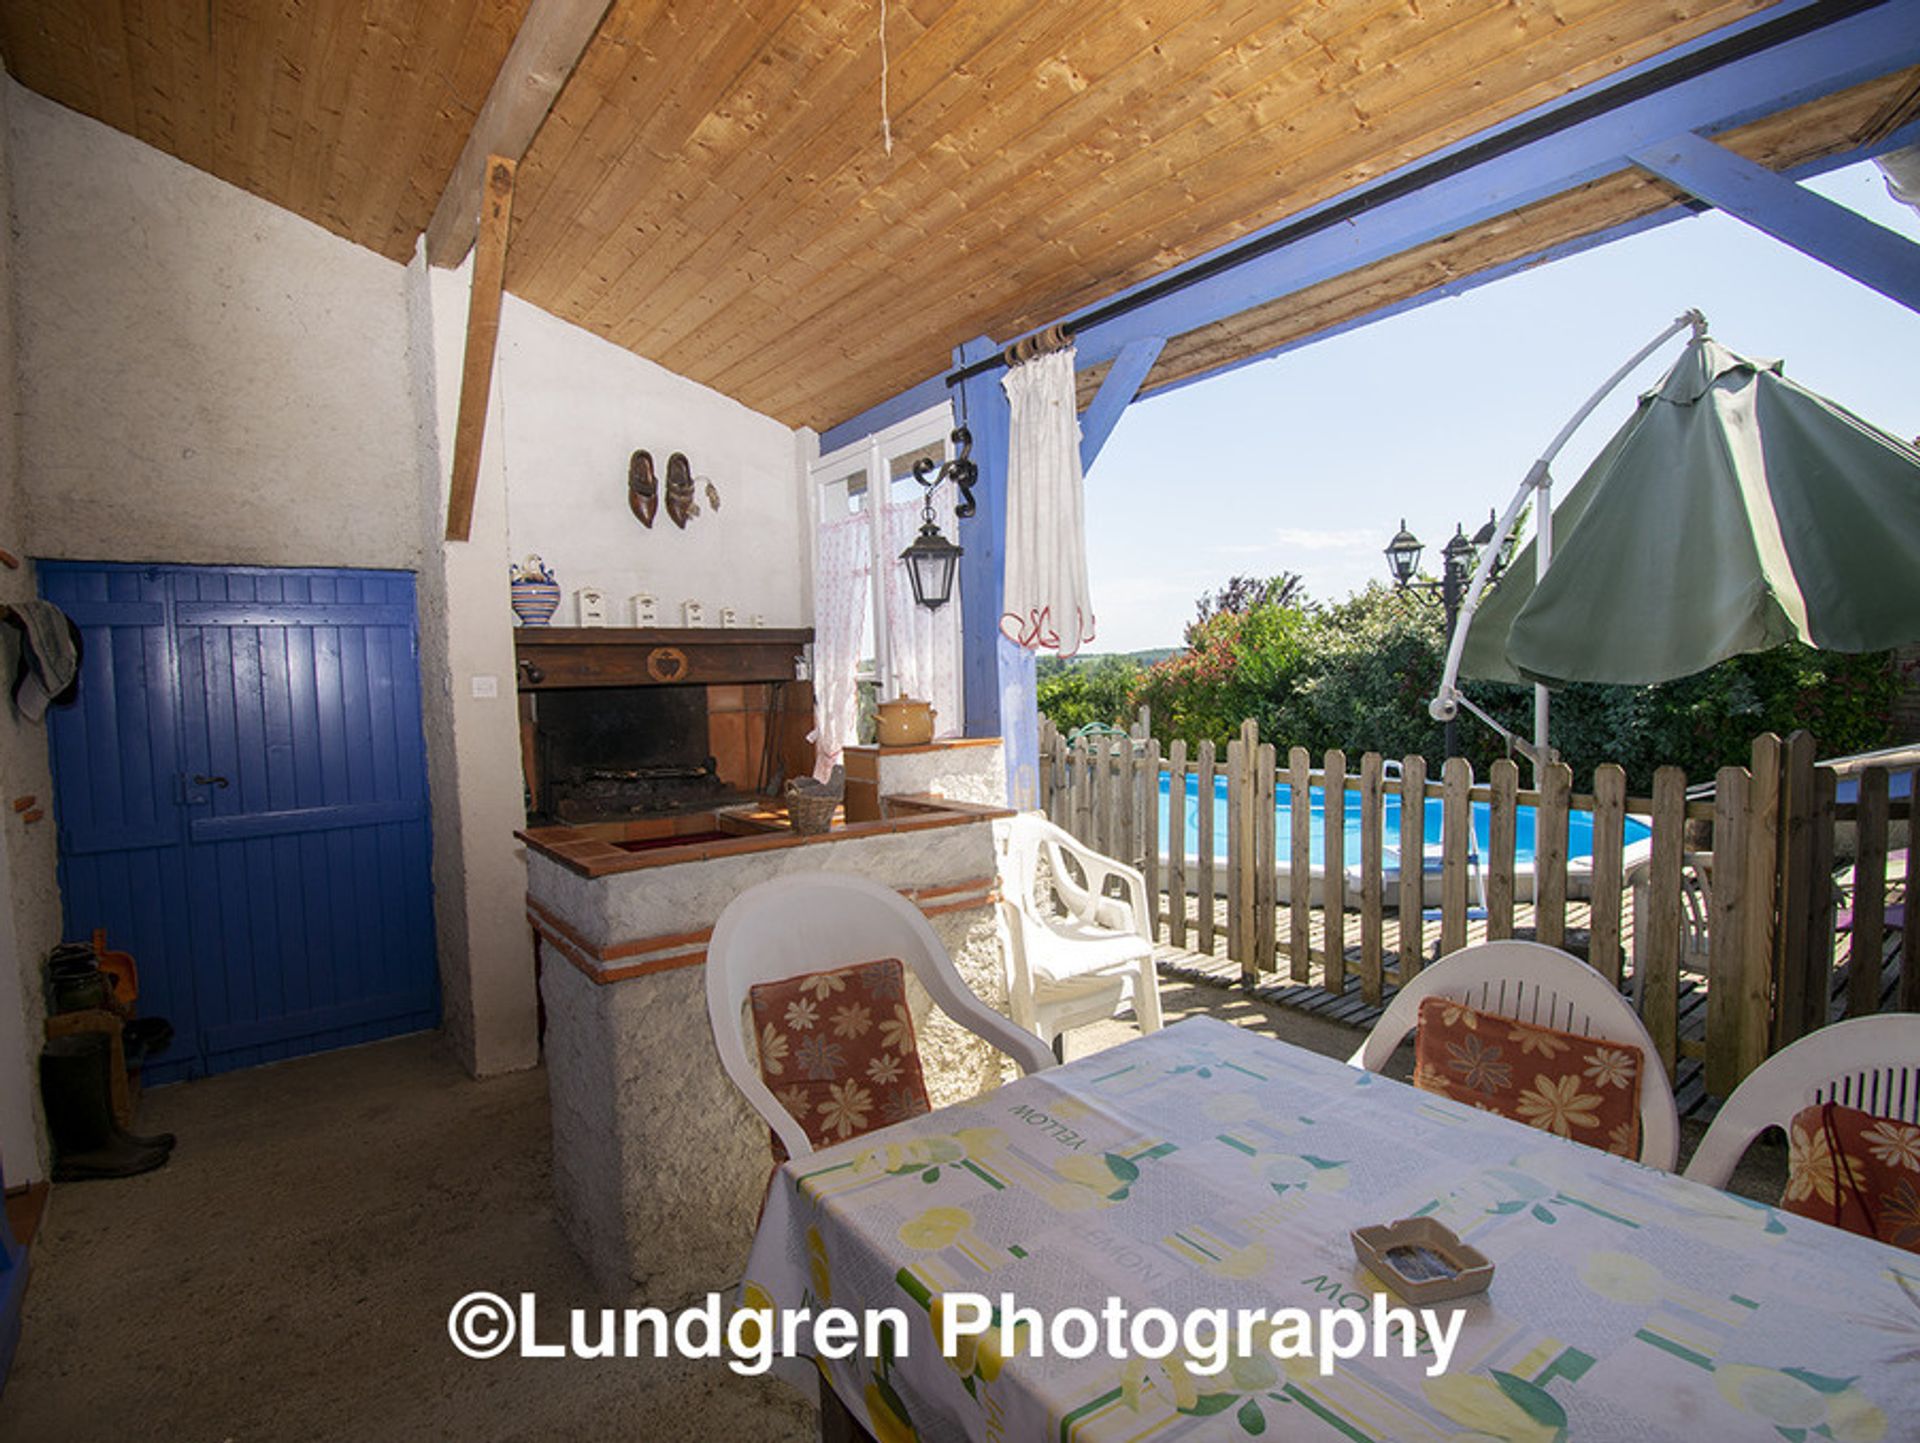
column 1207, row 1166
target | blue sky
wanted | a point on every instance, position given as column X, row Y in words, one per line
column 1307, row 462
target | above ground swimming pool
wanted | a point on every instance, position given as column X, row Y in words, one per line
column 1579, row 825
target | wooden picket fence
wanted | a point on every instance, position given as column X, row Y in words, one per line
column 1726, row 926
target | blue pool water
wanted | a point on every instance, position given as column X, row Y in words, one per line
column 1579, row 825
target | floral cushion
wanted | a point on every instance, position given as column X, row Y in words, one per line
column 1580, row 1087
column 1856, row 1171
column 837, row 1049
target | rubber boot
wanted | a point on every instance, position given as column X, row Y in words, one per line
column 75, row 1087
column 140, row 1039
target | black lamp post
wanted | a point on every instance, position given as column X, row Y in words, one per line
column 1459, row 556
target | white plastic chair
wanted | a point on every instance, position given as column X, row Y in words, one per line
column 794, row 925
column 1696, row 911
column 1090, row 962
column 1529, row 982
column 1872, row 1063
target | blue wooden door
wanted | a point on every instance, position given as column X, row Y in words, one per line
column 276, row 888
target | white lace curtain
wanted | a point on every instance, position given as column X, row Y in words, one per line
column 923, row 644
column 1046, row 604
column 842, row 563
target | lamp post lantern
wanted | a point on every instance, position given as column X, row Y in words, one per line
column 1458, row 558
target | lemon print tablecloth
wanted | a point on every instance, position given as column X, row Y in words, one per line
column 1208, row 1167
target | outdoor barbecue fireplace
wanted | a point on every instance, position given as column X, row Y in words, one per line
column 626, row 723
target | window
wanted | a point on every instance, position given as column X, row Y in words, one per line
column 844, row 483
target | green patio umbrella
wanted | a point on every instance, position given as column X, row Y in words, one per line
column 1734, row 511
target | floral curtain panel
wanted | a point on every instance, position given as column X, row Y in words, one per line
column 923, row 644
column 842, row 564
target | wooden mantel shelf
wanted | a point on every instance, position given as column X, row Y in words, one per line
column 573, row 656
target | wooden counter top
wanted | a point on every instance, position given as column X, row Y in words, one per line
column 595, row 850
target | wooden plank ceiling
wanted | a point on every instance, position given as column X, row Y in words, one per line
column 711, row 189
column 714, row 194
column 348, row 112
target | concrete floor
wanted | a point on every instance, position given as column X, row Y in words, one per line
column 288, row 1274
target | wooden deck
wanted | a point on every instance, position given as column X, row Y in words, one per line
column 1349, row 1006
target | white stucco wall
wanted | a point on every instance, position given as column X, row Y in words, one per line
column 490, row 1004
column 29, row 903
column 204, row 377
column 574, row 410
column 208, row 378
column 566, row 411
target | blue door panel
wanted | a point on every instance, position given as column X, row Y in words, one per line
column 259, row 733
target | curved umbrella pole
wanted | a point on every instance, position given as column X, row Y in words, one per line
column 1448, row 700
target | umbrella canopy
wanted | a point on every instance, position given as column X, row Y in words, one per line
column 1734, row 511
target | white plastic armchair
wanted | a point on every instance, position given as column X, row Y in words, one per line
column 1530, row 982
column 1696, row 909
column 794, row 925
column 1093, row 957
column 1872, row 1063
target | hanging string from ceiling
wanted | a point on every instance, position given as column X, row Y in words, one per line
column 886, row 119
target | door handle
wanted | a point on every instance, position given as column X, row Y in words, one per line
column 210, row 781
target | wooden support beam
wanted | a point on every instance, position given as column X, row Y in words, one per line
column 551, row 39
column 1809, row 222
column 483, row 331
column 1122, row 383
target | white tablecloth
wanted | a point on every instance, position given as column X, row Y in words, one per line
column 1206, row 1166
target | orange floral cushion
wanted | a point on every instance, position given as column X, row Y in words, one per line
column 1856, row 1171
column 1579, row 1087
column 837, row 1049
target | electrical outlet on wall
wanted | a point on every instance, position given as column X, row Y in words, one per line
column 485, row 688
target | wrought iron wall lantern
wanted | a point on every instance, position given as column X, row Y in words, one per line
column 932, row 559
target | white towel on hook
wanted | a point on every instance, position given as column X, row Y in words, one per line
column 1046, row 604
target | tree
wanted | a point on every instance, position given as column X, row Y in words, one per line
column 1243, row 594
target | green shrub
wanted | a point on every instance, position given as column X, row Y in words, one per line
column 1076, row 694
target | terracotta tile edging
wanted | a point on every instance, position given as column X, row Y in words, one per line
column 688, row 949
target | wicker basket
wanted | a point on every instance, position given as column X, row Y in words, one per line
column 811, row 815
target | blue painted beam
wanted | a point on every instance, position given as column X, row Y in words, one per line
column 1793, row 72
column 983, row 539
column 1905, row 136
column 1847, row 53
column 997, row 677
column 904, row 407
column 1873, row 255
column 1121, row 384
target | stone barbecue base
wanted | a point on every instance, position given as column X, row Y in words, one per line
column 659, row 1164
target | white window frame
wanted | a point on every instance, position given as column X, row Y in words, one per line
column 931, row 428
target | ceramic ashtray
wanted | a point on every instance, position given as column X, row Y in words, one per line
column 1422, row 1260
